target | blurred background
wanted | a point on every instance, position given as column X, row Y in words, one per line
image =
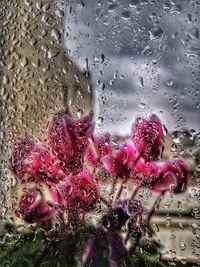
column 121, row 59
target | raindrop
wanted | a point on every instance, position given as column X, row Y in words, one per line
column 141, row 81
column 53, row 52
column 126, row 15
column 134, row 3
column 112, row 7
column 99, row 59
column 175, row 9
column 183, row 246
column 155, row 33
column 170, row 82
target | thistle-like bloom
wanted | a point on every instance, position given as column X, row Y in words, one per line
column 122, row 162
column 33, row 207
column 80, row 191
column 148, row 137
column 69, row 140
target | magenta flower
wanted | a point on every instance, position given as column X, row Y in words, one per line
column 80, row 192
column 122, row 162
column 99, row 148
column 144, row 173
column 69, row 140
column 148, row 137
column 32, row 159
column 34, row 208
column 173, row 177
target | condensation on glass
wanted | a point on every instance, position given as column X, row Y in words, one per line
column 121, row 60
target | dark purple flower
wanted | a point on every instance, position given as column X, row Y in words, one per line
column 102, row 240
column 115, row 218
column 94, row 249
column 148, row 137
column 117, row 249
column 108, row 236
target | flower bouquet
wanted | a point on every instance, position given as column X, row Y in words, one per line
column 72, row 208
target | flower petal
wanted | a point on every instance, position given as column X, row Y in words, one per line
column 59, row 135
column 173, row 178
column 80, row 191
column 117, row 249
column 95, row 248
column 34, row 208
column 30, row 158
column 148, row 136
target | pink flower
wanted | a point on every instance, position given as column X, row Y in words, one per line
column 30, row 158
column 173, row 178
column 144, row 174
column 80, row 191
column 69, row 140
column 33, row 207
column 99, row 148
column 121, row 163
column 148, row 137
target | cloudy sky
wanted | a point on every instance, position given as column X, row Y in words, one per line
column 143, row 56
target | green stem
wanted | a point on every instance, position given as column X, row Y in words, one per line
column 118, row 195
column 134, row 192
column 111, row 194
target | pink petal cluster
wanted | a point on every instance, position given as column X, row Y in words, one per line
column 122, row 162
column 148, row 137
column 69, row 140
column 171, row 176
column 80, row 191
column 60, row 168
column 34, row 208
column 98, row 149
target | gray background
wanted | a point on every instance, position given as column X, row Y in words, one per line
column 143, row 57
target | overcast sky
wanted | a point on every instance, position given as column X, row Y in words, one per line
column 144, row 58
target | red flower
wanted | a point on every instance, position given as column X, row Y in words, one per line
column 33, row 207
column 69, row 140
column 30, row 158
column 121, row 163
column 99, row 148
column 80, row 191
column 148, row 136
column 173, row 178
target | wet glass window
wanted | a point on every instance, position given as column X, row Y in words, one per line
column 100, row 134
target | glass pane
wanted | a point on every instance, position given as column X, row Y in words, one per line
column 100, row 137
